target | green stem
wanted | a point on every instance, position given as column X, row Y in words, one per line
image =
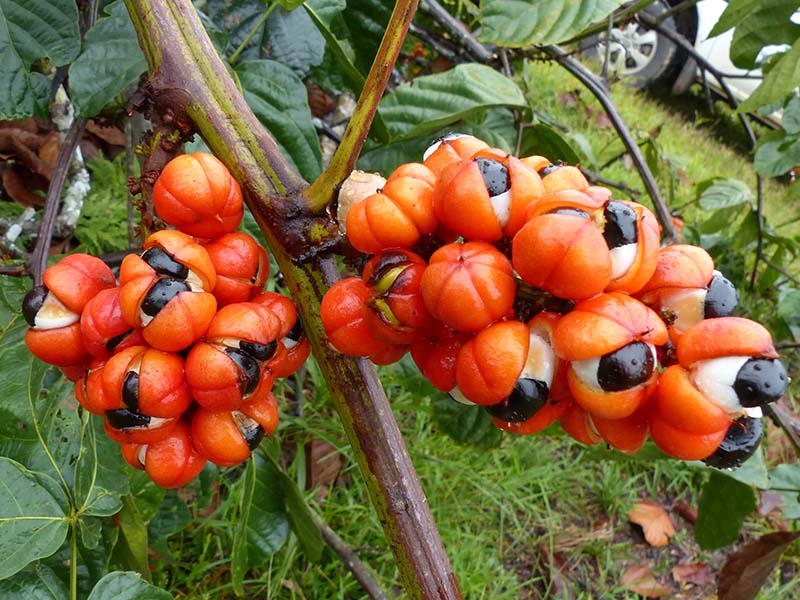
column 344, row 159
column 252, row 32
column 73, row 563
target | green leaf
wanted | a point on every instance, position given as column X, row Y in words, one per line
column 148, row 495
column 432, row 102
column 366, row 21
column 789, row 305
column 31, row 31
column 768, row 24
column 37, row 582
column 131, row 549
column 543, row 140
column 781, row 79
column 290, row 4
column 520, row 23
column 791, row 116
column 102, row 227
column 32, row 522
column 724, row 194
column 238, row 18
column 776, row 153
column 735, row 12
column 99, row 483
column 263, row 525
column 468, row 425
column 724, row 503
column 109, row 64
column 785, row 477
column 300, row 519
column 293, row 40
column 126, row 585
column 279, row 100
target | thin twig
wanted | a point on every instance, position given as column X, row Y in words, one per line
column 437, row 43
column 594, row 85
column 787, row 345
column 786, row 423
column 620, row 185
column 456, row 29
column 351, row 560
column 760, row 226
column 38, row 260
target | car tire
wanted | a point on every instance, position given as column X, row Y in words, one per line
column 640, row 57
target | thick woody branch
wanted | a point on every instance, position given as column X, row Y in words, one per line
column 187, row 76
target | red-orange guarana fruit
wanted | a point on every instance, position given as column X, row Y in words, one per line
column 540, row 395
column 342, row 313
column 450, row 149
column 395, row 311
column 167, row 291
column 171, row 462
column 241, row 265
column 148, row 381
column 485, row 198
column 294, row 345
column 467, row 286
column 685, row 289
column 556, row 177
column 397, row 215
column 609, row 341
column 230, row 364
column 197, row 194
column 489, row 364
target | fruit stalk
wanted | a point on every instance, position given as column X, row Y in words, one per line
column 188, row 78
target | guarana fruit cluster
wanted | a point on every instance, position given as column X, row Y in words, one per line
column 179, row 357
column 462, row 247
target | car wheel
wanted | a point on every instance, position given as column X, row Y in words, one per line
column 639, row 56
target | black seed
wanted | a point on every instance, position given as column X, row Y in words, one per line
column 760, row 381
column 495, row 176
column 545, row 171
column 525, row 400
column 122, row 418
column 253, row 435
column 250, row 371
column 130, row 390
column 115, row 341
column 32, row 303
column 620, row 228
column 162, row 292
column 740, row 443
column 721, row 297
column 296, row 332
column 625, row 368
column 164, row 264
column 259, row 351
column 575, row 212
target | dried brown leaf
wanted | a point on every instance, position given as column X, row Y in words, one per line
column 568, row 99
column 19, row 184
column 697, row 573
column 639, row 579
column 49, row 150
column 749, row 567
column 109, row 134
column 655, row 522
column 768, row 502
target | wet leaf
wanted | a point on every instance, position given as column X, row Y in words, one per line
column 746, row 571
column 654, row 520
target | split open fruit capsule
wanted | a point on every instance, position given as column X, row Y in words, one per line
column 230, row 365
column 104, row 329
column 167, row 291
column 227, row 438
column 451, row 149
column 685, row 289
column 556, row 177
column 485, row 197
column 293, row 343
column 53, row 309
column 609, row 342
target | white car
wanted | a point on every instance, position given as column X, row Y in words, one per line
column 643, row 57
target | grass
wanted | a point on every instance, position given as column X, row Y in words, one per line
column 697, row 143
